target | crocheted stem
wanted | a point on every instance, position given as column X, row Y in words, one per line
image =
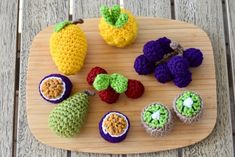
column 178, row 49
column 89, row 92
column 78, row 21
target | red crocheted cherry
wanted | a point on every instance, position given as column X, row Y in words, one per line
column 93, row 73
column 109, row 95
column 135, row 89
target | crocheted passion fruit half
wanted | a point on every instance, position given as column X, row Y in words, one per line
column 188, row 106
column 156, row 119
column 114, row 126
column 55, row 88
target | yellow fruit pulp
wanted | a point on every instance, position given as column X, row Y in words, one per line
column 68, row 49
column 119, row 37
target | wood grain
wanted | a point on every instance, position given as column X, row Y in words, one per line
column 122, row 62
column 155, row 8
column 208, row 15
column 36, row 15
column 8, row 42
column 230, row 5
column 89, row 9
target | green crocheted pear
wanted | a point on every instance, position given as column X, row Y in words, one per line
column 68, row 117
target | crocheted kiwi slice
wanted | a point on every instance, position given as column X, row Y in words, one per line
column 188, row 104
column 113, row 16
column 156, row 116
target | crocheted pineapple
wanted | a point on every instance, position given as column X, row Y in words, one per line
column 117, row 26
column 68, row 47
column 68, row 117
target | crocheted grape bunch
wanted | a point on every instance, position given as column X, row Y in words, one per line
column 111, row 86
column 168, row 61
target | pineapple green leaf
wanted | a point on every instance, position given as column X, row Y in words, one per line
column 59, row 26
column 122, row 20
column 114, row 16
column 115, row 12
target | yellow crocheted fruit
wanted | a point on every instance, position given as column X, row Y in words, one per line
column 119, row 36
column 68, row 47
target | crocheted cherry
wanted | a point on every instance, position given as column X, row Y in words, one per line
column 143, row 66
column 93, row 73
column 109, row 95
column 194, row 57
column 178, row 66
column 183, row 81
column 135, row 89
column 162, row 73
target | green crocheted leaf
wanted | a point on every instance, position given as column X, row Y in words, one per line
column 150, row 118
column 115, row 12
column 61, row 25
column 114, row 16
column 122, row 20
column 101, row 82
column 67, row 118
column 188, row 111
column 119, row 83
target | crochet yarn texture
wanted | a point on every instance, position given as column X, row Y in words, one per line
column 68, row 47
column 114, row 126
column 188, row 106
column 162, row 73
column 111, row 86
column 169, row 61
column 93, row 73
column 157, row 119
column 135, row 89
column 109, row 95
column 101, row 82
column 117, row 26
column 55, row 88
column 194, row 57
column 119, row 83
column 68, row 117
column 143, row 66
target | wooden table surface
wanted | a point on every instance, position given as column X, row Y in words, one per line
column 216, row 17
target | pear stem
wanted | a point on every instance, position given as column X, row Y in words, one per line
column 89, row 92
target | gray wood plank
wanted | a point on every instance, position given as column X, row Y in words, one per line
column 230, row 5
column 36, row 15
column 209, row 16
column 156, row 8
column 8, row 42
column 89, row 9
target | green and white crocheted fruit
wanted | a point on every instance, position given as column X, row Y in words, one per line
column 68, row 117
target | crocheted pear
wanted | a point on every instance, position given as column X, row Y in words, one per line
column 68, row 47
column 68, row 117
column 117, row 26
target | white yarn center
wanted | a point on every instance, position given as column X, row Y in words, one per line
column 156, row 115
column 188, row 102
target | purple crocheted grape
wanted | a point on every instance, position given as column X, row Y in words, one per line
column 143, row 66
column 194, row 57
column 165, row 44
column 178, row 66
column 153, row 51
column 183, row 81
column 162, row 73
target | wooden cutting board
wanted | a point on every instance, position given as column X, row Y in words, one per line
column 120, row 60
